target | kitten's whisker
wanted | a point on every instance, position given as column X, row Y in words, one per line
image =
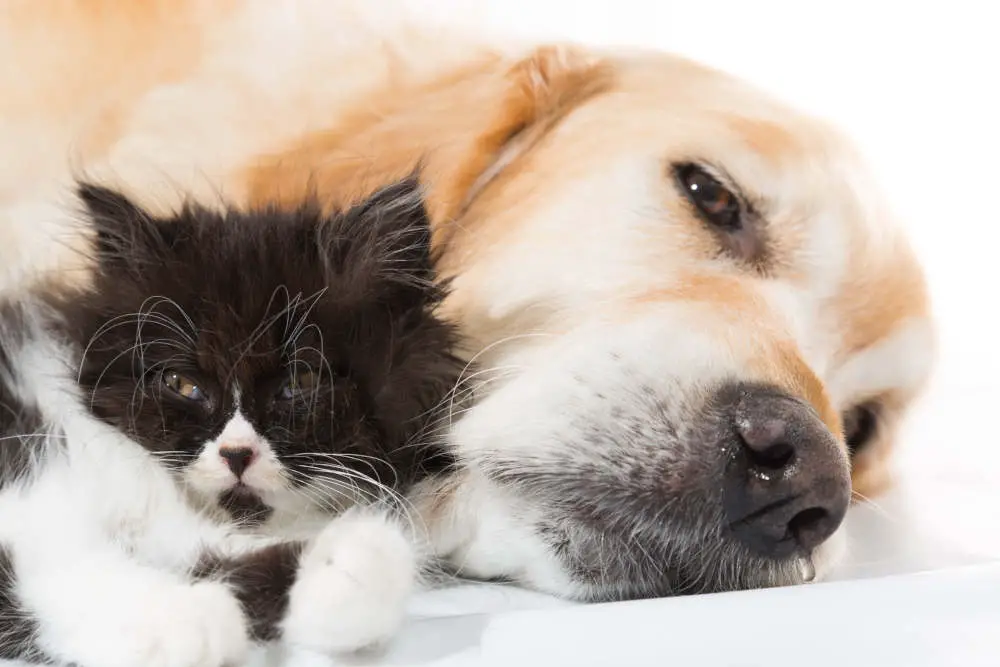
column 468, row 379
column 495, row 344
column 140, row 384
column 104, row 371
column 311, row 301
column 865, row 500
column 324, row 365
column 367, row 460
column 330, row 499
column 147, row 313
column 268, row 322
column 165, row 299
column 128, row 319
column 351, row 455
column 402, row 503
column 462, row 389
column 324, row 500
column 37, row 434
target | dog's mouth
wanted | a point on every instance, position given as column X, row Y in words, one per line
column 245, row 505
column 741, row 489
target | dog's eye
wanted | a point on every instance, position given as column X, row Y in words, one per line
column 860, row 426
column 715, row 202
column 183, row 386
column 297, row 384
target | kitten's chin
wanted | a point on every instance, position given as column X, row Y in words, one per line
column 244, row 505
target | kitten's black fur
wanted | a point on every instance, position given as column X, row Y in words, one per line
column 252, row 297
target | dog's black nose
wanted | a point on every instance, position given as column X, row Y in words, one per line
column 787, row 483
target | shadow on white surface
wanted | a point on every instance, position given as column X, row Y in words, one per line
column 907, row 596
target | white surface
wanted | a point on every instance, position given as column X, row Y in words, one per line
column 916, row 86
column 941, row 618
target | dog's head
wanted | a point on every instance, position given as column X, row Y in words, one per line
column 689, row 313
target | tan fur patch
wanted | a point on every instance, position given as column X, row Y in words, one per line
column 876, row 299
column 773, row 356
column 791, row 372
column 770, row 140
column 454, row 129
column 109, row 54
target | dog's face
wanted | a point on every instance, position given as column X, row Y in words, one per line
column 687, row 305
column 686, row 309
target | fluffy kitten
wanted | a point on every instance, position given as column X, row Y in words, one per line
column 279, row 363
column 271, row 365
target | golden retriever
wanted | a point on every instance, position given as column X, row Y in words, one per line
column 685, row 303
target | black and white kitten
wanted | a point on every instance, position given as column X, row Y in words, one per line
column 237, row 380
column 279, row 364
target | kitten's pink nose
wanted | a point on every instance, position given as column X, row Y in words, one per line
column 237, row 458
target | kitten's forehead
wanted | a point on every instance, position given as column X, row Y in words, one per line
column 238, row 431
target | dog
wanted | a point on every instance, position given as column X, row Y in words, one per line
column 693, row 323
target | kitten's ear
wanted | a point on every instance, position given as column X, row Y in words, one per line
column 384, row 244
column 396, row 218
column 124, row 232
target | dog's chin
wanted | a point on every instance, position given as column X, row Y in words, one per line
column 736, row 570
column 244, row 505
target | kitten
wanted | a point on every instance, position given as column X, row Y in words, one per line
column 279, row 364
column 272, row 367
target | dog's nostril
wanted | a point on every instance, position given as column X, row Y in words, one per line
column 810, row 527
column 766, row 443
column 776, row 457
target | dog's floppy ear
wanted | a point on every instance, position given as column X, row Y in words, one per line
column 464, row 127
column 538, row 92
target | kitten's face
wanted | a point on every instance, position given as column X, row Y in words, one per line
column 274, row 361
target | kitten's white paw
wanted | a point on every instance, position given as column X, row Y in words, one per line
column 353, row 585
column 175, row 625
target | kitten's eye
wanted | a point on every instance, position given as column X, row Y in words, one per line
column 715, row 202
column 300, row 383
column 183, row 386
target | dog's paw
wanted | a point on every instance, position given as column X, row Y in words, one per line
column 170, row 625
column 353, row 585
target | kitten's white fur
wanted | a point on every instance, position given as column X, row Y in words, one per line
column 359, row 570
column 103, row 541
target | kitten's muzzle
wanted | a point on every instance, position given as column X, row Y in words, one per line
column 786, row 483
column 238, row 459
